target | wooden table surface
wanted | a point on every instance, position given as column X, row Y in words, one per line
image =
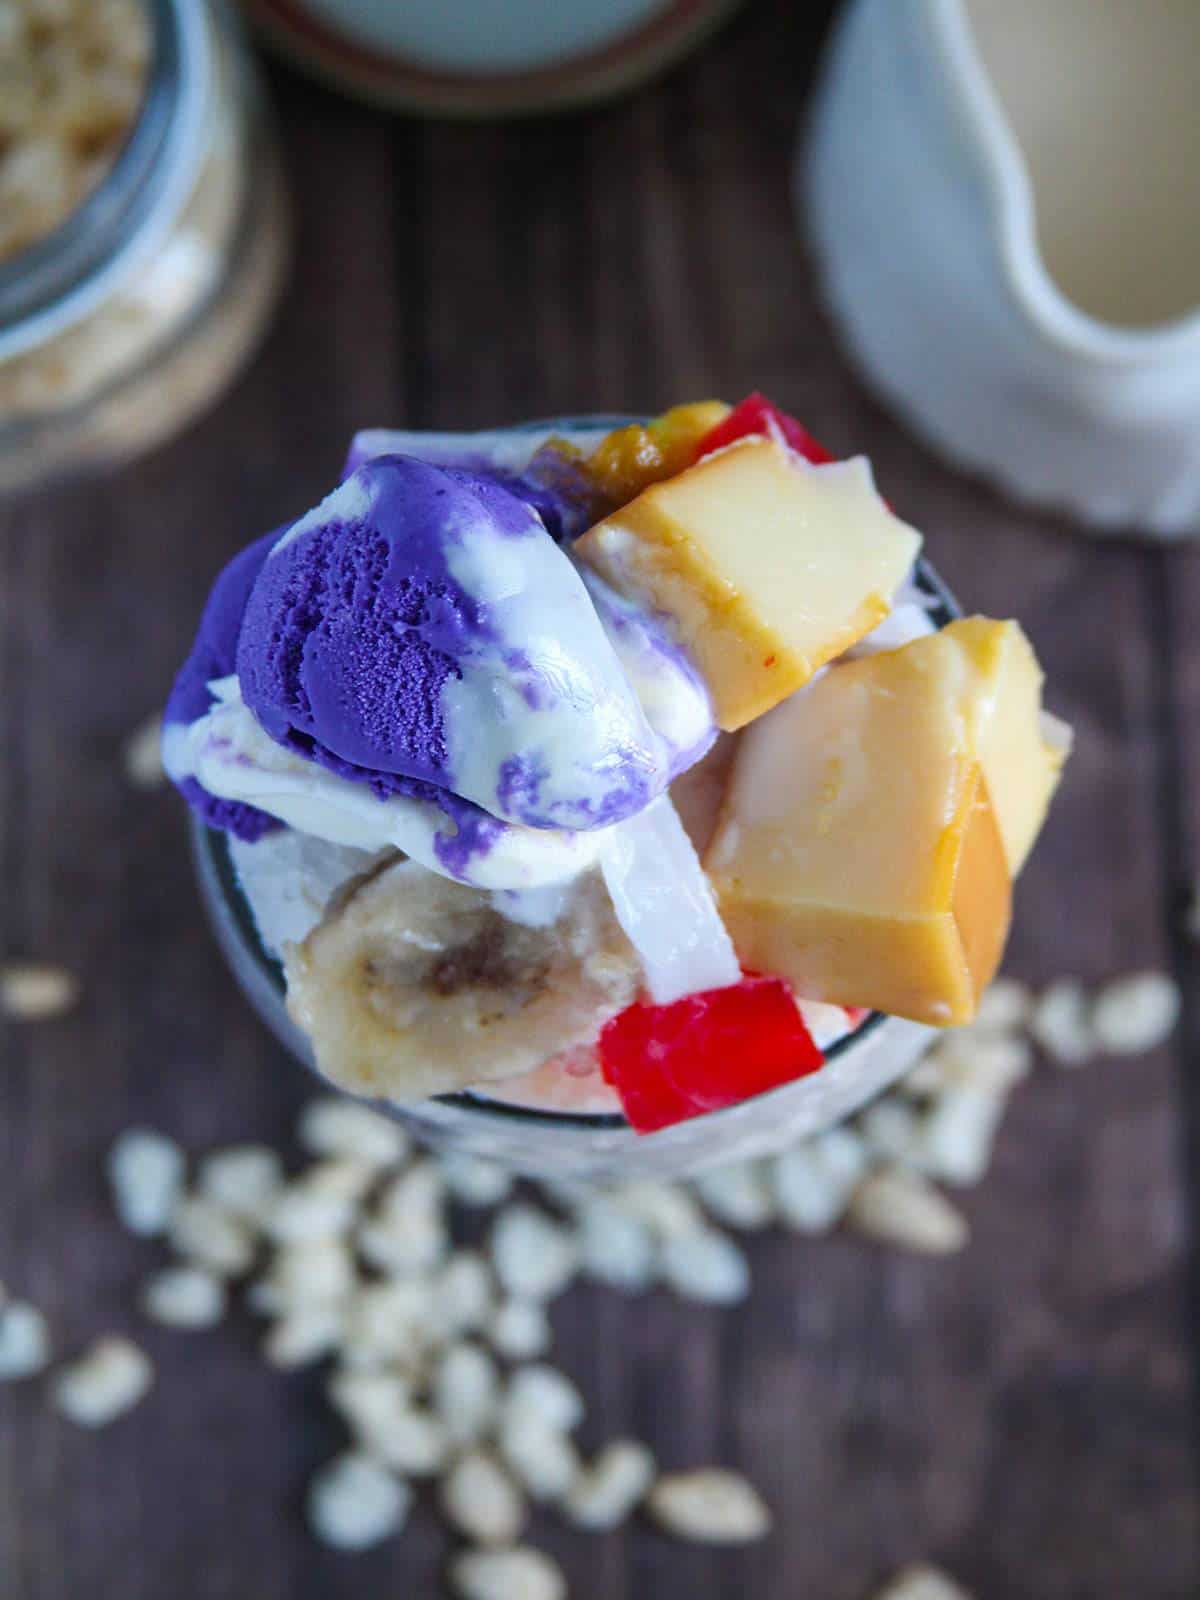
column 1025, row 1413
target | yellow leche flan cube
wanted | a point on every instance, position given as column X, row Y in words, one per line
column 1022, row 749
column 866, row 843
column 767, row 565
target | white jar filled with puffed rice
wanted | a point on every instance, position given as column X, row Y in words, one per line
column 142, row 224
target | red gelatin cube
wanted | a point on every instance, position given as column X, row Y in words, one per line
column 756, row 414
column 705, row 1051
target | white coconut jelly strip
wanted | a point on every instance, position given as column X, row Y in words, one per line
column 665, row 904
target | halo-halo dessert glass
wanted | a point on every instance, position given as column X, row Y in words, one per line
column 688, row 994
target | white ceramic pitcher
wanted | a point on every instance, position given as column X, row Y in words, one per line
column 1004, row 197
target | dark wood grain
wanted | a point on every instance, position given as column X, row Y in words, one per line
column 1024, row 1413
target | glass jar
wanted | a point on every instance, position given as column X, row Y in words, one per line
column 131, row 316
column 594, row 1146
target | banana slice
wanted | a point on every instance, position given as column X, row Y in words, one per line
column 413, row 985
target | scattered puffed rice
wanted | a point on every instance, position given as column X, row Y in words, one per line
column 390, row 1324
column 897, row 1206
column 305, row 1334
column 481, row 1500
column 348, row 1177
column 706, row 1266
column 24, row 1341
column 541, row 1458
column 466, row 1391
column 927, row 1078
column 145, row 1170
column 464, row 1294
column 184, row 1297
column 519, row 1330
column 307, row 1274
column 842, row 1153
column 210, row 1236
column 710, row 1506
column 108, row 1380
column 807, row 1198
column 993, row 1063
column 142, row 754
column 335, row 1126
column 611, row 1486
column 891, row 1130
column 407, row 1231
column 413, row 1442
column 304, row 1214
column 474, row 1181
column 32, row 992
column 957, row 1135
column 416, row 1395
column 922, row 1583
column 353, row 1503
column 999, row 1062
column 534, row 1257
column 616, row 1248
column 813, row 1183
column 546, row 1394
column 1060, row 1024
column 367, row 1400
column 387, row 1426
column 1135, row 1014
column 1006, row 1003
column 418, row 1192
column 738, row 1195
column 664, row 1208
column 520, row 1573
column 342, row 1178
column 244, row 1179
column 395, row 1249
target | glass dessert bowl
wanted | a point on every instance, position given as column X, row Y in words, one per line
column 538, row 970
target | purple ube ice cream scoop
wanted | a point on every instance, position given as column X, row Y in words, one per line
column 213, row 655
column 419, row 628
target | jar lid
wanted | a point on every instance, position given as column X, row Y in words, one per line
column 510, row 57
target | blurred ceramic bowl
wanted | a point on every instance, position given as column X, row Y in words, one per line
column 1003, row 202
column 459, row 58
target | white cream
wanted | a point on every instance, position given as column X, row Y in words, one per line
column 533, row 908
column 572, row 719
column 670, row 692
column 231, row 756
column 351, row 501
